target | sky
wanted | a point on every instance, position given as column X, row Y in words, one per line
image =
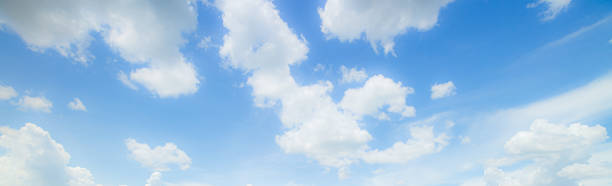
column 301, row 93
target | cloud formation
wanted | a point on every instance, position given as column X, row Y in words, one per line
column 443, row 90
column 553, row 7
column 127, row 27
column 378, row 21
column 40, row 104
column 7, row 92
column 32, row 157
column 77, row 105
column 160, row 158
column 352, row 75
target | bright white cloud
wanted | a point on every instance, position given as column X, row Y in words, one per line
column 443, row 90
column 596, row 171
column 549, row 147
column 77, row 105
column 423, row 142
column 376, row 93
column 260, row 43
column 380, row 21
column 352, row 75
column 41, row 104
column 127, row 27
column 32, row 157
column 160, row 158
column 553, row 7
column 7, row 92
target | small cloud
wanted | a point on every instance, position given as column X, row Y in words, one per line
column 126, row 81
column 7, row 92
column 443, row 90
column 205, row 43
column 41, row 104
column 319, row 67
column 352, row 75
column 77, row 105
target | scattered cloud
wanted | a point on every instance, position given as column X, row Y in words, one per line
column 379, row 21
column 127, row 28
column 77, row 105
column 160, row 158
column 443, row 90
column 41, row 104
column 553, row 7
column 352, row 75
column 423, row 142
column 32, row 157
column 126, row 80
column 7, row 92
column 205, row 43
column 315, row 125
column 376, row 93
column 320, row 67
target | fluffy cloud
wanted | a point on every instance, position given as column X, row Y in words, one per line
column 160, row 158
column 32, row 157
column 41, row 104
column 76, row 104
column 380, row 21
column 443, row 90
column 260, row 43
column 127, row 27
column 376, row 93
column 554, row 7
column 552, row 150
column 596, row 171
column 7, row 92
column 352, row 75
column 423, row 142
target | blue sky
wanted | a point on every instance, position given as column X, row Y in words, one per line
column 261, row 92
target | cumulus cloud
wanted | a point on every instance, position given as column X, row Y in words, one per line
column 352, row 75
column 596, row 171
column 32, row 157
column 380, row 21
column 443, row 90
column 550, row 150
column 553, row 7
column 41, row 104
column 77, row 105
column 141, row 32
column 376, row 93
column 160, row 158
column 260, row 43
column 7, row 92
column 423, row 142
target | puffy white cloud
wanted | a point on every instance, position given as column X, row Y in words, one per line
column 547, row 137
column 549, row 148
column 127, row 27
column 380, row 21
column 443, row 90
column 41, row 104
column 76, row 104
column 554, row 7
column 352, row 75
column 423, row 142
column 376, row 93
column 32, row 157
column 160, row 158
column 260, row 43
column 596, row 171
column 7, row 92
column 154, row 179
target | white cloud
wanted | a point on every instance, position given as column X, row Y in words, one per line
column 126, row 80
column 160, row 158
column 443, row 90
column 205, row 43
column 7, row 92
column 260, row 43
column 127, row 27
column 154, row 179
column 41, row 104
column 554, row 7
column 546, row 149
column 32, row 157
column 596, row 171
column 352, row 75
column 423, row 142
column 380, row 21
column 77, row 105
column 376, row 93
